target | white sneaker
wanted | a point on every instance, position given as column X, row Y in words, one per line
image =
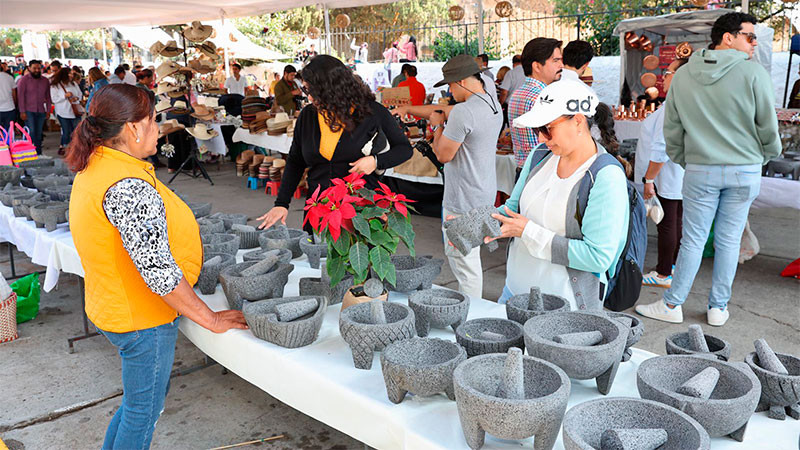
column 654, row 279
column 717, row 317
column 659, row 311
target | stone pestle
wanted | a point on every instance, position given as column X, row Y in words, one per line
column 535, row 300
column 697, row 339
column 377, row 313
column 261, row 267
column 701, row 385
column 767, row 359
column 633, row 439
column 512, row 384
column 584, row 339
column 290, row 311
column 492, row 336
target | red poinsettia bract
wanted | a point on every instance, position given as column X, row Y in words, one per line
column 387, row 199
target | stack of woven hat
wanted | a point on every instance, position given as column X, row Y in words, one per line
column 278, row 124
column 243, row 162
column 263, row 169
column 251, row 106
column 259, row 123
column 276, row 171
column 255, row 163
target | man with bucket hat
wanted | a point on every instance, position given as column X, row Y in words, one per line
column 465, row 140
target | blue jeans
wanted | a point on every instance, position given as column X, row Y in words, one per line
column 35, row 124
column 719, row 194
column 504, row 296
column 6, row 117
column 147, row 357
column 67, row 127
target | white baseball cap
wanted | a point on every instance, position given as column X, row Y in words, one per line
column 562, row 98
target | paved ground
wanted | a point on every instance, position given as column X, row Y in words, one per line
column 51, row 399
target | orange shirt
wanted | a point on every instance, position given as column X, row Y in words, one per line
column 417, row 90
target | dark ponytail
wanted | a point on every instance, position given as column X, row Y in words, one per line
column 604, row 119
column 112, row 107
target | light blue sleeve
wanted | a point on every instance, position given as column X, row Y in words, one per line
column 658, row 145
column 604, row 227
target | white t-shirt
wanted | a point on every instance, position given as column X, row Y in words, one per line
column 543, row 201
column 61, row 104
column 652, row 147
column 235, row 86
column 130, row 78
column 514, row 79
column 7, row 84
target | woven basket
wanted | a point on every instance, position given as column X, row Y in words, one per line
column 8, row 319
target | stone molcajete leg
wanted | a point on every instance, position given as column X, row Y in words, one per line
column 393, row 391
column 606, row 379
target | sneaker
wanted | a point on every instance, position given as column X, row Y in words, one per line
column 654, row 279
column 717, row 317
column 658, row 310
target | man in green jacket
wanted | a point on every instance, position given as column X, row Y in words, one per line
column 720, row 125
column 286, row 89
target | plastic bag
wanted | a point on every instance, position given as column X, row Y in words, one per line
column 749, row 247
column 28, row 290
column 654, row 209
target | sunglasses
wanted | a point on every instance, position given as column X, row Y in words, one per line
column 545, row 130
column 751, row 37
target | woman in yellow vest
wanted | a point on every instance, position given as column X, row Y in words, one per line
column 140, row 249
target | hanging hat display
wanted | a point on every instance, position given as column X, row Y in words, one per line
column 201, row 131
column 167, row 68
column 57, row 45
column 202, row 66
column 197, row 32
column 98, row 46
column 169, row 50
column 209, row 49
column 342, row 21
column 504, row 9
column 312, row 33
column 65, row 45
column 456, row 13
column 165, row 88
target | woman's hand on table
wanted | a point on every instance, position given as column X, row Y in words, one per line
column 365, row 165
column 272, row 216
column 227, row 319
column 511, row 226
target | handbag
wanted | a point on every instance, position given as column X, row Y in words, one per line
column 5, row 154
column 21, row 150
column 77, row 108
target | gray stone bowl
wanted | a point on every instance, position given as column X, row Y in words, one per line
column 365, row 337
column 585, row 422
column 313, row 251
column 438, row 308
column 45, row 171
column 199, row 209
column 271, row 239
column 59, row 193
column 678, row 344
column 209, row 274
column 322, row 286
column 599, row 361
column 635, row 332
column 263, row 322
column 285, row 255
column 422, row 366
column 26, row 181
column 238, row 288
column 22, row 206
column 536, row 410
column 518, row 307
column 779, row 392
column 210, row 226
column 49, row 215
column 229, row 219
column 413, row 273
column 42, row 183
column 468, row 334
column 247, row 239
column 10, row 174
column 9, row 192
column 41, row 162
column 220, row 243
column 732, row 401
column 17, row 199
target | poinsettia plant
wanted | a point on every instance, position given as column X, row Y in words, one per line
column 362, row 227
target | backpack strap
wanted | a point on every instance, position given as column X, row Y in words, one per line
column 539, row 154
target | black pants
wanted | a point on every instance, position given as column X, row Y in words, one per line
column 669, row 235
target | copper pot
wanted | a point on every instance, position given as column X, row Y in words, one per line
column 651, row 92
column 631, row 40
column 648, row 80
column 683, row 50
column 645, row 44
column 650, row 62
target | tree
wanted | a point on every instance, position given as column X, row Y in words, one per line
column 599, row 18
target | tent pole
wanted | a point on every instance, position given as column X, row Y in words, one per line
column 61, row 44
column 746, row 6
column 788, row 72
column 327, row 29
column 225, row 51
column 480, row 27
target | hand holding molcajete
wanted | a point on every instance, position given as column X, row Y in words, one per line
column 511, row 226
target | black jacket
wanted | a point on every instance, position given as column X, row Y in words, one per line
column 305, row 151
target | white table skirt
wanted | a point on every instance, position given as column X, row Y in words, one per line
column 506, row 168
column 627, row 129
column 215, row 145
column 280, row 144
column 320, row 380
column 427, row 180
column 778, row 193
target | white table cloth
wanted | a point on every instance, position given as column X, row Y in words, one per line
column 321, row 381
column 627, row 129
column 280, row 144
column 427, row 180
column 778, row 193
column 215, row 145
column 506, row 168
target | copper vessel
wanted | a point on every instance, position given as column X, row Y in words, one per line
column 683, row 50
column 645, row 44
column 650, row 62
column 648, row 80
column 631, row 40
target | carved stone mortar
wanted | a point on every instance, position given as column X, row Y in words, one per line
column 209, row 273
column 522, row 307
column 49, row 215
column 489, row 335
column 438, row 308
column 467, row 232
column 238, row 287
column 421, row 366
column 314, row 251
column 288, row 238
column 263, row 321
column 369, row 327
column 635, row 332
column 780, row 392
column 220, row 243
column 695, row 341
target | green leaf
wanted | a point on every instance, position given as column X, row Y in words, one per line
column 341, row 245
column 336, row 269
column 402, row 226
column 362, row 226
column 368, row 194
column 359, row 260
column 391, row 275
column 381, row 261
column 391, row 246
column 370, row 212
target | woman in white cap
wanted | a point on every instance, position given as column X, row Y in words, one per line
column 561, row 246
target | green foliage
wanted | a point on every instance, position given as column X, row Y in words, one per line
column 598, row 28
column 447, row 45
column 407, row 13
column 81, row 43
column 271, row 31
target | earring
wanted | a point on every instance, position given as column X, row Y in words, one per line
column 137, row 138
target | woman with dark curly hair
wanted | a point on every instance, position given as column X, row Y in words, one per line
column 344, row 130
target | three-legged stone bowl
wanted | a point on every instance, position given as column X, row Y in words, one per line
column 282, row 237
column 265, row 324
column 284, row 255
column 780, row 392
column 695, row 341
column 421, row 366
column 239, row 287
column 489, row 335
column 438, row 308
column 49, row 215
column 315, row 251
column 370, row 327
column 413, row 272
column 522, row 307
column 220, row 243
column 635, row 330
column 209, row 273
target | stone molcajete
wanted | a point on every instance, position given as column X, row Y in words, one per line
column 22, row 205
column 200, row 209
column 314, row 250
column 635, row 327
column 721, row 396
column 489, row 335
column 282, row 237
column 468, row 231
column 10, row 174
column 290, row 322
column 510, row 396
column 284, row 255
column 220, row 243
column 438, row 308
column 522, row 307
column 254, row 281
column 229, row 219
column 322, row 286
column 49, row 215
column 248, row 235
column 591, row 344
column 209, row 225
column 779, row 374
column 212, row 266
column 59, row 193
column 631, row 423
column 369, row 327
column 421, row 366
column 695, row 341
column 413, row 272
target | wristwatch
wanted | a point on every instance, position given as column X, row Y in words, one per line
column 645, row 180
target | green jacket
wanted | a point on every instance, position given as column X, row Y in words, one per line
column 284, row 96
column 720, row 110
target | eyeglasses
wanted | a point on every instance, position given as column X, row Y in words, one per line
column 751, row 37
column 545, row 130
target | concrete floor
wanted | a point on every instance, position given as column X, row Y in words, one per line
column 51, row 399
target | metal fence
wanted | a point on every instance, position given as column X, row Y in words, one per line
column 506, row 36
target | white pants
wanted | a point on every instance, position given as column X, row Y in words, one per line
column 467, row 269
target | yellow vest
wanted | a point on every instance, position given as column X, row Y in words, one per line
column 117, row 298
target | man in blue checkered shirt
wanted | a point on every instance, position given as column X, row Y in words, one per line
column 541, row 62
